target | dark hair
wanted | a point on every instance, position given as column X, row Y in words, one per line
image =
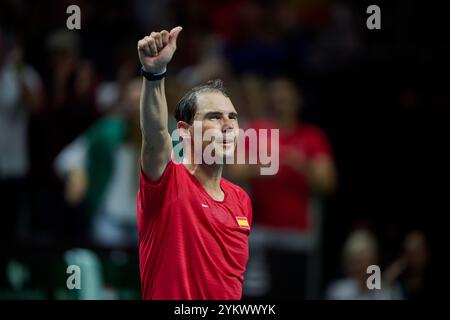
column 187, row 106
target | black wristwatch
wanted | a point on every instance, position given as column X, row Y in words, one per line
column 152, row 76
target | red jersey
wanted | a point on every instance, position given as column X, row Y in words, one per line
column 282, row 201
column 190, row 245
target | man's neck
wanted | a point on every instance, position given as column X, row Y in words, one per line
column 209, row 177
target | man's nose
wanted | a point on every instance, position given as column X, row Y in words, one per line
column 227, row 125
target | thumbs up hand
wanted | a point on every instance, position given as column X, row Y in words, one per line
column 156, row 50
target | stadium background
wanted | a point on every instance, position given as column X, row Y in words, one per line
column 381, row 96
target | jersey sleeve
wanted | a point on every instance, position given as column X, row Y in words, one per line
column 152, row 194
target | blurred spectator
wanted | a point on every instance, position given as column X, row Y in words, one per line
column 284, row 230
column 360, row 251
column 71, row 92
column 101, row 167
column 412, row 269
column 70, row 98
column 251, row 98
column 416, row 253
column 20, row 95
column 69, row 108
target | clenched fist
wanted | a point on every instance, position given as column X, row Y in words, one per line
column 156, row 50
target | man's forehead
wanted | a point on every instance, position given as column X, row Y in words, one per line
column 214, row 102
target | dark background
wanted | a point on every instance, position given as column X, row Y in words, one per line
column 384, row 105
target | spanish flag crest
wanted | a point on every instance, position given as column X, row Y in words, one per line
column 243, row 222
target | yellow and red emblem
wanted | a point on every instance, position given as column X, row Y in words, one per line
column 243, row 222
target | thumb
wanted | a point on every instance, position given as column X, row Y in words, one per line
column 173, row 35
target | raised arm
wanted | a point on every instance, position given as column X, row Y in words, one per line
column 155, row 52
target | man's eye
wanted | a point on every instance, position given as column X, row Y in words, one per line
column 214, row 117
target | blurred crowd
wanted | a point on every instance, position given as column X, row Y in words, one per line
column 70, row 144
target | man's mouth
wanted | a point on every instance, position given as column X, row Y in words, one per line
column 225, row 141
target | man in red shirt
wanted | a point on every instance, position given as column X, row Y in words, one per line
column 193, row 224
column 284, row 231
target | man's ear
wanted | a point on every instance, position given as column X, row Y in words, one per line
column 183, row 128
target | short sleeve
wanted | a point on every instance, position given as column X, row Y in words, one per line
column 152, row 194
